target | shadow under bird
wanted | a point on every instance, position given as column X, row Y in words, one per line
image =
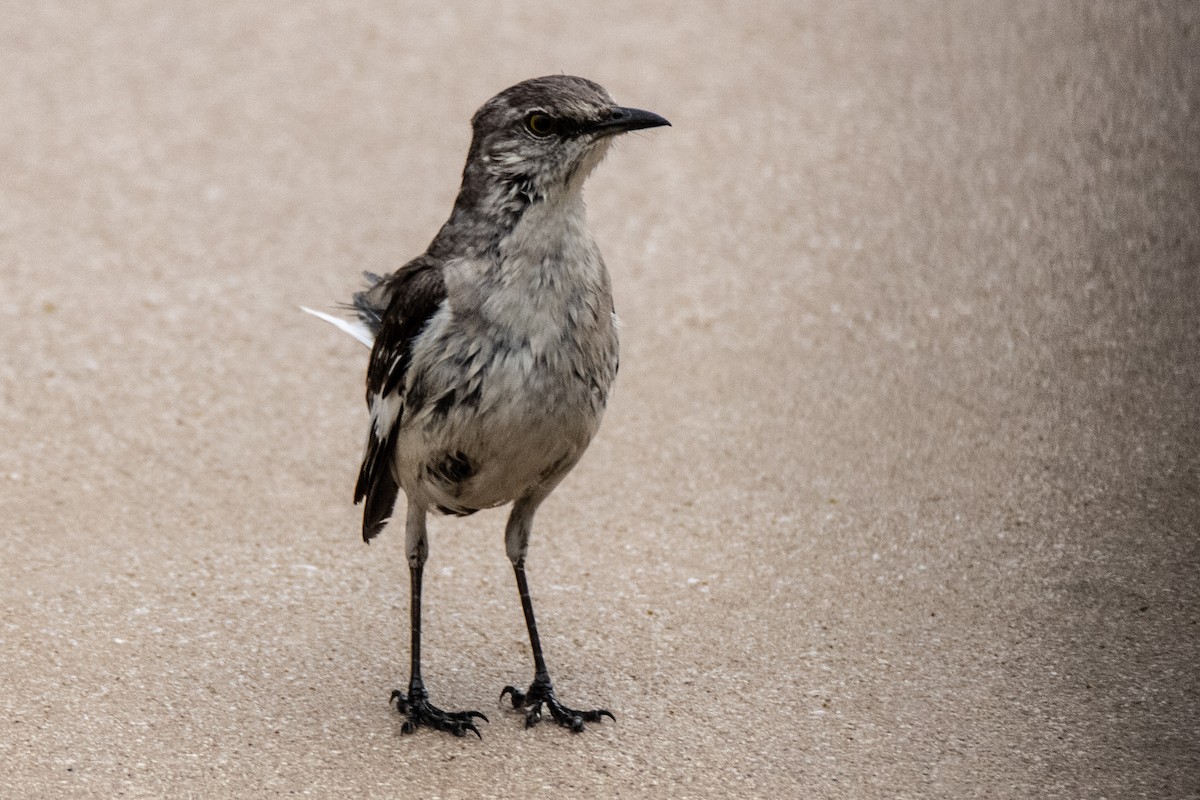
column 492, row 354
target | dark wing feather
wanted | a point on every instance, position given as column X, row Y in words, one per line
column 414, row 293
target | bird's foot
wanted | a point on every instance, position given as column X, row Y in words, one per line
column 541, row 693
column 419, row 711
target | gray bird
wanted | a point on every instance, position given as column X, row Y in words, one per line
column 492, row 354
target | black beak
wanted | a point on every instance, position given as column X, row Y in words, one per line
column 627, row 119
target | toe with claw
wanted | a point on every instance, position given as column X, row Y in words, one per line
column 419, row 711
column 541, row 693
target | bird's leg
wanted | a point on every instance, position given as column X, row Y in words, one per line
column 541, row 691
column 415, row 704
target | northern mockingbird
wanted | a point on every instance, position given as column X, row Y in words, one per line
column 492, row 354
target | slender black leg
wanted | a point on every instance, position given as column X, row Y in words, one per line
column 415, row 705
column 541, row 691
column 539, row 663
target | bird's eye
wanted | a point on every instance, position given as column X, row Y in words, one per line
column 541, row 125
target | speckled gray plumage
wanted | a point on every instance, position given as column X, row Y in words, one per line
column 496, row 348
column 494, row 351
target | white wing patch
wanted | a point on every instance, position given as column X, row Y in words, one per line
column 353, row 327
column 385, row 410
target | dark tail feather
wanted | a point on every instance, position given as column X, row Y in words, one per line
column 371, row 302
column 380, row 493
column 376, row 485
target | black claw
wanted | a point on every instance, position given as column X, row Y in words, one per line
column 518, row 697
column 541, row 694
column 420, row 711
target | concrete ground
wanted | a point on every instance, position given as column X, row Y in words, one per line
column 898, row 495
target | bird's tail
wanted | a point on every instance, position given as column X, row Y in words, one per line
column 368, row 305
column 371, row 302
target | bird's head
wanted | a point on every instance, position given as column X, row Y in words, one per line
column 541, row 138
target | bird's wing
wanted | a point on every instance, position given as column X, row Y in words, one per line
column 416, row 292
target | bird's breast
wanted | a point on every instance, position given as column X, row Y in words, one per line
column 511, row 378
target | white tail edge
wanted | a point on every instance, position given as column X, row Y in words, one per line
column 354, row 328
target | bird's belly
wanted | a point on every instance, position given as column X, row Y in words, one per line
column 481, row 439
